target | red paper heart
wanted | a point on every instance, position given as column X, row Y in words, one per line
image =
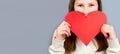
column 86, row 27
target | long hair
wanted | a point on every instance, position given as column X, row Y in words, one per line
column 70, row 42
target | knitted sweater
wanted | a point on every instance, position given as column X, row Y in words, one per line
column 57, row 47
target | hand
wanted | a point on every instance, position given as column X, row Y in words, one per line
column 108, row 32
column 63, row 31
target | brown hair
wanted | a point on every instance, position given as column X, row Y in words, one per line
column 70, row 42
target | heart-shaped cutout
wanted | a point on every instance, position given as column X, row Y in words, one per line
column 86, row 27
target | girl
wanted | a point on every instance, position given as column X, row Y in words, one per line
column 66, row 42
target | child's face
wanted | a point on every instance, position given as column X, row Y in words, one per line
column 86, row 6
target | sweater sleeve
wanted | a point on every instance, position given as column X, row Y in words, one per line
column 113, row 47
column 57, row 46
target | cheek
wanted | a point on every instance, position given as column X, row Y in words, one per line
column 78, row 9
column 93, row 9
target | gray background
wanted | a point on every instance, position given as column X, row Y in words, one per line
column 26, row 26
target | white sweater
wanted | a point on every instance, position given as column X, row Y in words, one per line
column 57, row 47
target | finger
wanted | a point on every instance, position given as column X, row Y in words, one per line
column 105, row 34
column 65, row 33
column 62, row 24
column 65, row 27
column 103, row 30
column 108, row 35
column 68, row 30
column 66, row 23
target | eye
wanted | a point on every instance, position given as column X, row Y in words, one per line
column 91, row 5
column 80, row 5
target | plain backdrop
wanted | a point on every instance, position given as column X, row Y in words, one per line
column 27, row 26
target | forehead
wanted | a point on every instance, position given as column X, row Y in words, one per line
column 85, row 1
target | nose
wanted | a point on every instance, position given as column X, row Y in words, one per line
column 86, row 11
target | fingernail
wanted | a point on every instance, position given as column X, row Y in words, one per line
column 70, row 34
